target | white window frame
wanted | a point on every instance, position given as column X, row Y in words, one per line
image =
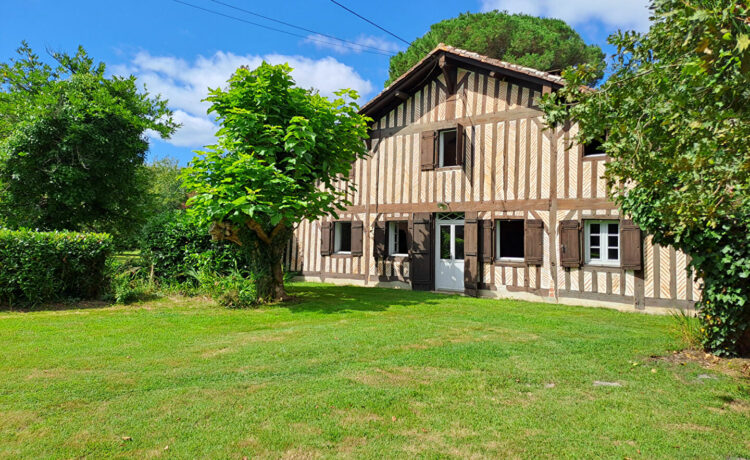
column 393, row 238
column 498, row 239
column 337, row 237
column 604, row 246
column 441, row 147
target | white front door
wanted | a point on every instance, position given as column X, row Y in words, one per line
column 449, row 263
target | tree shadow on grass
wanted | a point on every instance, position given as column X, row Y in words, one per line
column 343, row 299
column 73, row 304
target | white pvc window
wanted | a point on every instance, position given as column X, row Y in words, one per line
column 602, row 242
column 398, row 238
column 448, row 151
column 342, row 238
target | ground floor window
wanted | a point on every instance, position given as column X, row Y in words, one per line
column 509, row 240
column 398, row 238
column 602, row 242
column 342, row 237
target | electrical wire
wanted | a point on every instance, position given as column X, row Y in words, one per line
column 360, row 47
column 367, row 20
column 298, row 27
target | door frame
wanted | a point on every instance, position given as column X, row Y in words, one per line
column 436, row 241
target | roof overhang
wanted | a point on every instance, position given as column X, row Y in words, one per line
column 431, row 65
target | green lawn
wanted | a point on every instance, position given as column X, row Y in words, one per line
column 357, row 372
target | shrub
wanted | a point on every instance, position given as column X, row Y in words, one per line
column 232, row 290
column 175, row 245
column 128, row 282
column 687, row 328
column 37, row 267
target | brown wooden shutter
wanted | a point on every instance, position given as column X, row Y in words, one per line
column 630, row 245
column 325, row 239
column 533, row 248
column 570, row 243
column 460, row 144
column 422, row 273
column 357, row 231
column 379, row 240
column 486, row 243
column 471, row 253
column 428, row 150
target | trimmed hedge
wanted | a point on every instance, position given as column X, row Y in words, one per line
column 38, row 267
column 177, row 247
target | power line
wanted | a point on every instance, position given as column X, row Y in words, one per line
column 367, row 20
column 361, row 47
column 297, row 27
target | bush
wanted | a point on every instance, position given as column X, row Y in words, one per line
column 175, row 245
column 687, row 328
column 37, row 267
column 232, row 290
column 128, row 283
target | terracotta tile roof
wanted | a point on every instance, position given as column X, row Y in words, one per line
column 443, row 48
column 552, row 78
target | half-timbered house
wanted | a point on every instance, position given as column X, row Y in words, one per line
column 466, row 190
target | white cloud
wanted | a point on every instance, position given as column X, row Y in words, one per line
column 624, row 14
column 323, row 42
column 185, row 84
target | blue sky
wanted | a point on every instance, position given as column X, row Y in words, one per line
column 178, row 51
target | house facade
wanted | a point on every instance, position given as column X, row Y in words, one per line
column 465, row 190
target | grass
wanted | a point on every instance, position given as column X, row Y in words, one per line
column 358, row 372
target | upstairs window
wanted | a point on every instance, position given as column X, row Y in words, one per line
column 602, row 242
column 342, row 238
column 509, row 240
column 447, row 148
column 398, row 238
column 593, row 148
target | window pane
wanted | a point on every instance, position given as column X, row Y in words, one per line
column 612, row 241
column 612, row 254
column 614, row 229
column 402, row 238
column 594, row 240
column 594, row 228
column 448, row 147
column 511, row 238
column 459, row 242
column 346, row 236
column 445, row 242
column 595, row 254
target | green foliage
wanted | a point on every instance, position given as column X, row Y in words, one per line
column 676, row 117
column 541, row 43
column 165, row 189
column 176, row 244
column 687, row 328
column 281, row 149
column 37, row 267
column 128, row 283
column 232, row 290
column 72, row 141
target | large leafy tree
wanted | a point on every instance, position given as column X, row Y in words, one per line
column 675, row 116
column 166, row 192
column 280, row 153
column 72, row 142
column 541, row 43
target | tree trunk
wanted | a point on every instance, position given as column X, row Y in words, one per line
column 269, row 271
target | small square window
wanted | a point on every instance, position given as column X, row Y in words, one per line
column 448, row 155
column 603, row 242
column 593, row 148
column 509, row 240
column 398, row 239
column 342, row 237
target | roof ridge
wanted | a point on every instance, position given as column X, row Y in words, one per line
column 442, row 47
